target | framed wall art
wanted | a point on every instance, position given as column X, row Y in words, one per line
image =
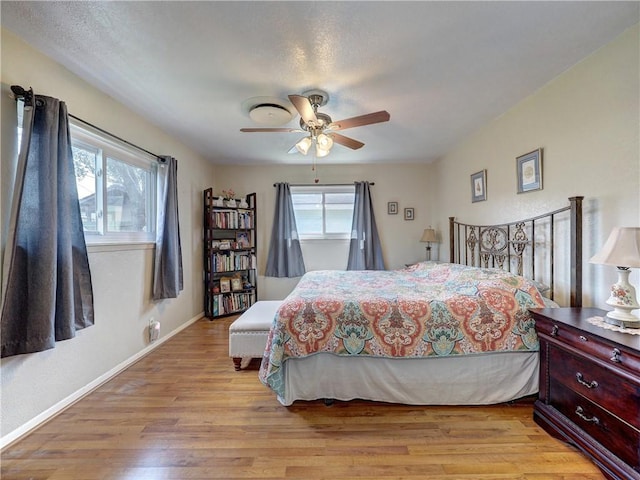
column 392, row 208
column 479, row 186
column 529, row 171
column 408, row 214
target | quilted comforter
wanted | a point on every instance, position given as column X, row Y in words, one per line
column 425, row 310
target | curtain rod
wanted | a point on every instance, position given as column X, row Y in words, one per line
column 101, row 130
column 27, row 96
column 323, row 184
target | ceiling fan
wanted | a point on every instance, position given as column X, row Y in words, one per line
column 321, row 128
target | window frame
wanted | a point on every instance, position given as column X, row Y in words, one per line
column 323, row 190
column 86, row 137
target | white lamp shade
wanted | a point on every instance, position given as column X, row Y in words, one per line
column 429, row 235
column 321, row 152
column 622, row 248
column 324, row 142
column 304, row 145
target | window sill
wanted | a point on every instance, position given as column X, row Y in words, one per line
column 325, row 240
column 119, row 247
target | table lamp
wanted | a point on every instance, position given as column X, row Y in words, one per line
column 622, row 250
column 428, row 236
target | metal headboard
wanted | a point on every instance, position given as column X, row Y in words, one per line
column 514, row 246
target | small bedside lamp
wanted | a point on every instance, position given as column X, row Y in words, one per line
column 622, row 249
column 428, row 236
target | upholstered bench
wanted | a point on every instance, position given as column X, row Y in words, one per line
column 248, row 333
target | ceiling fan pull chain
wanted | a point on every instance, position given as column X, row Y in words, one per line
column 314, row 168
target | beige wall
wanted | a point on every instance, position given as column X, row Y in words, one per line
column 35, row 385
column 587, row 121
column 409, row 185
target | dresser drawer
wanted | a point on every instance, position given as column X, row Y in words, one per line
column 619, row 395
column 614, row 434
column 617, row 355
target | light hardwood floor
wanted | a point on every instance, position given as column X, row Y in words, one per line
column 182, row 412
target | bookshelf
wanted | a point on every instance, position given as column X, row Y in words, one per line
column 230, row 264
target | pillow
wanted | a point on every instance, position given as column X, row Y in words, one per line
column 422, row 265
column 542, row 288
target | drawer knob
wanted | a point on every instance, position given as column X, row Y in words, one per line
column 582, row 381
column 583, row 338
column 580, row 413
column 554, row 331
column 615, row 356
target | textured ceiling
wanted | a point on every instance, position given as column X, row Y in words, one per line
column 441, row 69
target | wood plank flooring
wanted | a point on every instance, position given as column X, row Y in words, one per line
column 182, row 412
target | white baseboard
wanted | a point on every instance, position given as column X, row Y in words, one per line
column 51, row 412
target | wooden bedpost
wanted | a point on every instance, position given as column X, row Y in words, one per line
column 576, row 252
column 452, row 243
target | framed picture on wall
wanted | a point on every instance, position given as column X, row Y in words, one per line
column 529, row 171
column 479, row 186
column 408, row 213
column 392, row 208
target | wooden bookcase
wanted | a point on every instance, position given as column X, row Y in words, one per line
column 230, row 262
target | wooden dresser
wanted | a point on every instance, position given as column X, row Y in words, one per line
column 590, row 388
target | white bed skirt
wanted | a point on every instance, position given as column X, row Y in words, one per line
column 455, row 380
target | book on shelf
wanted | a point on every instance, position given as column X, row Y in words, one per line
column 232, row 260
column 230, row 303
column 231, row 219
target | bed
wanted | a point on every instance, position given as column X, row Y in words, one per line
column 433, row 333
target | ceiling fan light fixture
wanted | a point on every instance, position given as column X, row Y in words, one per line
column 325, row 142
column 321, row 152
column 304, row 145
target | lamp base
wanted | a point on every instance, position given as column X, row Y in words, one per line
column 622, row 319
column 623, row 300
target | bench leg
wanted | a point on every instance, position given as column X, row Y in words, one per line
column 236, row 363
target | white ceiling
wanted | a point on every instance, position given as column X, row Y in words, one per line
column 441, row 69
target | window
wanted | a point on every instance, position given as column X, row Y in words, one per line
column 116, row 188
column 323, row 212
column 118, row 206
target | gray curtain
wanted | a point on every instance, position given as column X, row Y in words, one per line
column 285, row 255
column 167, row 276
column 47, row 292
column 365, row 251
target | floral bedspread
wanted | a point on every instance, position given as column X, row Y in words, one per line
column 428, row 309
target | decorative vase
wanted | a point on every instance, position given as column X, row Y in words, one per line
column 219, row 202
column 231, row 202
column 243, row 204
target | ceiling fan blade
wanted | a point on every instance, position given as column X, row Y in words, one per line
column 303, row 105
column 368, row 119
column 346, row 141
column 289, row 130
